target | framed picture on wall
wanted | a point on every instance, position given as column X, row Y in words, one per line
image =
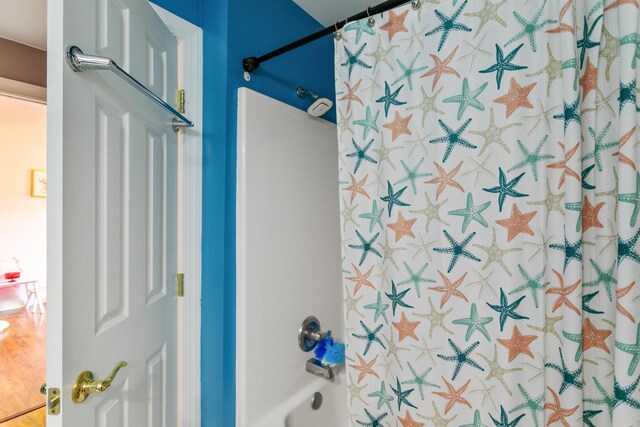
column 38, row 183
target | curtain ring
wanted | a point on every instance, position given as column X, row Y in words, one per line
column 371, row 21
column 415, row 4
column 337, row 34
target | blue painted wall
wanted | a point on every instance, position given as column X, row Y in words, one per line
column 232, row 30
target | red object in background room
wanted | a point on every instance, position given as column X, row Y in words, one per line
column 12, row 276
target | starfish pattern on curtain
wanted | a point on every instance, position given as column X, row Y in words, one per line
column 490, row 199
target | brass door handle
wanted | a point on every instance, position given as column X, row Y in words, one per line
column 85, row 384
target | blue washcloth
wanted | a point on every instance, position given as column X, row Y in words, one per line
column 330, row 352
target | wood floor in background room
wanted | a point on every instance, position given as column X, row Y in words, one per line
column 23, row 367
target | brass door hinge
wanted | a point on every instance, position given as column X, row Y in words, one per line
column 181, row 101
column 180, row 284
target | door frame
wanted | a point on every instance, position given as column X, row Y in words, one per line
column 189, row 217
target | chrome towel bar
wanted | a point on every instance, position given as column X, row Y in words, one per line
column 79, row 62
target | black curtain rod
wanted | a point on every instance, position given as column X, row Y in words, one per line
column 252, row 63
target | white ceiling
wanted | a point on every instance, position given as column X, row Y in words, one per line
column 327, row 12
column 24, row 21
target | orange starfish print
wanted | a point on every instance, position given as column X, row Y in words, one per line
column 516, row 97
column 621, row 293
column 361, row 279
column 406, row 328
column 590, row 215
column 558, row 412
column 622, row 157
column 449, row 289
column 357, row 187
column 351, row 95
column 562, row 293
column 399, row 126
column 589, row 80
column 593, row 337
column 395, row 24
column 563, row 27
column 562, row 164
column 445, row 179
column 518, row 344
column 453, row 396
column 365, row 368
column 402, row 227
column 407, row 421
column 517, row 223
column 442, row 67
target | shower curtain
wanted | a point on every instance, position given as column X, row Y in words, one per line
column 489, row 194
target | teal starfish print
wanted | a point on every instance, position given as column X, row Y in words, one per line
column 415, row 278
column 468, row 98
column 505, row 188
column 457, row 250
column 571, row 251
column 533, row 284
column 368, row 123
column 412, row 174
column 373, row 421
column 626, row 248
column 471, row 213
column 586, row 298
column 448, row 24
column 360, row 26
column 390, row 98
column 571, row 113
column 383, row 397
column 504, row 419
column 474, row 323
column 633, row 350
column 370, row 336
column 628, row 94
column 402, row 396
column 503, row 63
column 507, row 310
column 461, row 357
column 587, row 415
column 583, row 178
column 599, row 146
column 353, row 59
column 607, row 278
column 397, row 298
column 569, row 378
column 634, row 199
column 493, row 134
column 534, row 405
column 633, row 38
column 380, row 310
column 585, row 42
column 576, row 338
column 529, row 28
column 488, row 13
column 532, row 159
column 619, row 396
column 452, row 138
column 419, row 380
column 576, row 207
column 361, row 154
column 374, row 217
column 477, row 421
column 366, row 246
column 408, row 72
column 393, row 198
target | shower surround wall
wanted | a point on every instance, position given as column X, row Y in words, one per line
column 288, row 261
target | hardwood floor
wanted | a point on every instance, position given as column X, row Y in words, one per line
column 23, row 367
column 35, row 418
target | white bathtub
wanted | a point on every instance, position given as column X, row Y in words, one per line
column 297, row 411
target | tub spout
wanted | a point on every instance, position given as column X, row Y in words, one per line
column 315, row 367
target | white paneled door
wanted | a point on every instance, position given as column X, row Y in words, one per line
column 112, row 216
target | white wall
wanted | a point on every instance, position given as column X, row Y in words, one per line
column 23, row 233
column 288, row 251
